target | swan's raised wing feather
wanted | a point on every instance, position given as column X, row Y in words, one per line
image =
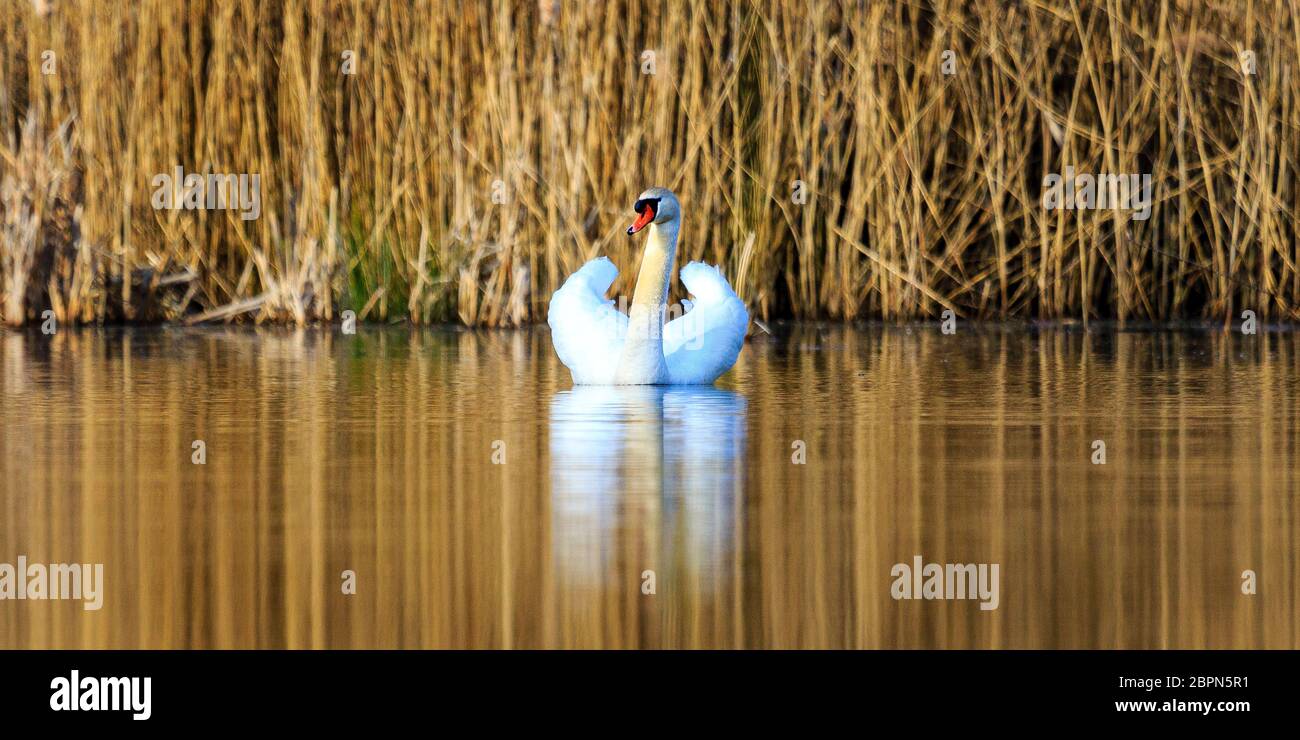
column 586, row 329
column 705, row 342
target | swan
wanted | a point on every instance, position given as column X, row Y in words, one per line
column 603, row 346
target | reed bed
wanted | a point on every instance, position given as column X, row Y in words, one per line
column 437, row 164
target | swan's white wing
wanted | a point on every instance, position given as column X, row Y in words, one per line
column 585, row 327
column 705, row 342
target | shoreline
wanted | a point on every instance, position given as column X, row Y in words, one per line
column 769, row 328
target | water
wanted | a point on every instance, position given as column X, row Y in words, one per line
column 480, row 501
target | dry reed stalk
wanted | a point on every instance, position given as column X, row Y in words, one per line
column 38, row 165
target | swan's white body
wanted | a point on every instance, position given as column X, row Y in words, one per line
column 593, row 340
column 602, row 346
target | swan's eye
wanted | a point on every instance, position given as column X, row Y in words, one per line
column 652, row 203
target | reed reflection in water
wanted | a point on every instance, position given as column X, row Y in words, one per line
column 375, row 453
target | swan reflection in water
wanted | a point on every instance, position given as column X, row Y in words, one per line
column 645, row 478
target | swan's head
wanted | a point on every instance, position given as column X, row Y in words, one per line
column 656, row 205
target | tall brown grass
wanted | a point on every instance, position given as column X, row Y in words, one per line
column 380, row 189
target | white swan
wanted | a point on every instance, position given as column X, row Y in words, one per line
column 602, row 346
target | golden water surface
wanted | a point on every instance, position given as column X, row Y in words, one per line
column 480, row 501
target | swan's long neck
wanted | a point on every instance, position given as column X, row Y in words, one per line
column 643, row 349
column 656, row 267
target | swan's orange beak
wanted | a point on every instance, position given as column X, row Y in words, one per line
column 647, row 214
